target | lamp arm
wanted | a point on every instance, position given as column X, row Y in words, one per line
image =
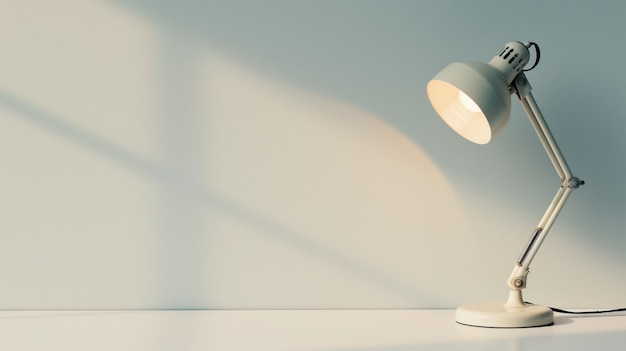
column 520, row 86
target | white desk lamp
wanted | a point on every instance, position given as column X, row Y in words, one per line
column 473, row 98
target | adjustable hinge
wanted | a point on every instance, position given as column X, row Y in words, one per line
column 575, row 183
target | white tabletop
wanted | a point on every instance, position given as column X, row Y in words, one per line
column 362, row 330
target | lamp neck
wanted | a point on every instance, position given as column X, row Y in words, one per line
column 511, row 60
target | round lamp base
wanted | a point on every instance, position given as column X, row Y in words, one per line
column 496, row 315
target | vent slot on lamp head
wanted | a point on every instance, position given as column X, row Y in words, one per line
column 512, row 57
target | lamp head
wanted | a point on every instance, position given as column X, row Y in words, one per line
column 474, row 98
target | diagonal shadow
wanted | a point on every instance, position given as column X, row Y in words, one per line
column 176, row 182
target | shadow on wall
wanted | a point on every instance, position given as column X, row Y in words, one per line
column 306, row 175
column 262, row 195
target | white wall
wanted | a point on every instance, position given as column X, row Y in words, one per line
column 269, row 154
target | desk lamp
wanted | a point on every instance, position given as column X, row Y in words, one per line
column 473, row 98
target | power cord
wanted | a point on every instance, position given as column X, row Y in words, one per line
column 538, row 55
column 582, row 312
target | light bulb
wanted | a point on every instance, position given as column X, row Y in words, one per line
column 467, row 102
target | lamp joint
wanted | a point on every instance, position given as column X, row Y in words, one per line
column 575, row 183
column 520, row 86
column 517, row 279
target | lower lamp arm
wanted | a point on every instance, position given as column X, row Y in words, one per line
column 517, row 279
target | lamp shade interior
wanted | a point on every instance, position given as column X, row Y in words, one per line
column 472, row 98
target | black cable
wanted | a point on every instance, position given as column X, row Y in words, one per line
column 582, row 312
column 538, row 52
column 587, row 312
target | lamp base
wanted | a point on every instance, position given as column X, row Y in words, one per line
column 497, row 315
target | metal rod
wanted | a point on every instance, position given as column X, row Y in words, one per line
column 543, row 138
column 546, row 138
column 546, row 223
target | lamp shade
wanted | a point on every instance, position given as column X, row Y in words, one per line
column 472, row 98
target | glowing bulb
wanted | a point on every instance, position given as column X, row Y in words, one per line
column 468, row 103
